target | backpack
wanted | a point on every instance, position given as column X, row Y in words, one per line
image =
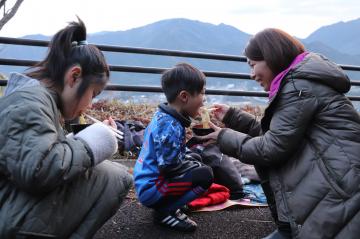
column 225, row 172
column 133, row 135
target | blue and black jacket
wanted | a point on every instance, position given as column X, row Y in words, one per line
column 162, row 155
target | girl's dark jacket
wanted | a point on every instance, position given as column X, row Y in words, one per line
column 306, row 149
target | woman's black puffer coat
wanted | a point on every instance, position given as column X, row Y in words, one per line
column 306, row 149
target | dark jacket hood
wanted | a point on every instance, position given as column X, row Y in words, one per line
column 316, row 67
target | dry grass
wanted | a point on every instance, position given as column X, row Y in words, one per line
column 144, row 112
column 122, row 111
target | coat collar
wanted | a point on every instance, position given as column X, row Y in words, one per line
column 184, row 120
column 275, row 84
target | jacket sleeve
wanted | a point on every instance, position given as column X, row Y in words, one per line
column 38, row 157
column 242, row 121
column 290, row 120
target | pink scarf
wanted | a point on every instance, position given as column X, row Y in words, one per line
column 275, row 84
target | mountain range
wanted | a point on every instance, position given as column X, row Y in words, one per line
column 340, row 42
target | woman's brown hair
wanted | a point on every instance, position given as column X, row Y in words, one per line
column 276, row 47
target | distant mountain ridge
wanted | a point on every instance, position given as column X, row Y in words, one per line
column 342, row 36
column 179, row 34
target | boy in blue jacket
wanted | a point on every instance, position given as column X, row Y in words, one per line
column 166, row 178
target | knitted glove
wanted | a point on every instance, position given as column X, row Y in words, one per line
column 100, row 139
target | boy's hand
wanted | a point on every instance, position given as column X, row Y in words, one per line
column 212, row 137
column 219, row 111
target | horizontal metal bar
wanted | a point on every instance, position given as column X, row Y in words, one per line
column 150, row 70
column 150, row 51
column 155, row 70
column 134, row 69
column 350, row 67
column 156, row 89
column 354, row 98
column 22, row 41
column 164, row 52
column 237, row 93
column 355, row 82
column 16, row 62
column 134, row 50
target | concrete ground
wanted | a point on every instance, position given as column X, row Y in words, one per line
column 133, row 220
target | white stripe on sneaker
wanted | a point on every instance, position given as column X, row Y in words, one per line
column 166, row 219
column 171, row 221
column 175, row 223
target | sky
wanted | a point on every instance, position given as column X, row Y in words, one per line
column 298, row 17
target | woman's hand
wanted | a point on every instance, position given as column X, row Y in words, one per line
column 109, row 121
column 212, row 137
column 219, row 111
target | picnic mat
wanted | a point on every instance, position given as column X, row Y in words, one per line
column 255, row 198
column 231, row 203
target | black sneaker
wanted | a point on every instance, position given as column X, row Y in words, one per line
column 185, row 209
column 177, row 221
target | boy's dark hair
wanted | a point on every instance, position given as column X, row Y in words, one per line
column 182, row 76
column 67, row 48
column 276, row 47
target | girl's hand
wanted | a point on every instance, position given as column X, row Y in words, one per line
column 109, row 121
column 212, row 137
column 219, row 111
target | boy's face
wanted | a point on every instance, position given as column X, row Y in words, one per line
column 193, row 104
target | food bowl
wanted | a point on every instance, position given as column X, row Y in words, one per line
column 193, row 141
column 201, row 131
column 76, row 128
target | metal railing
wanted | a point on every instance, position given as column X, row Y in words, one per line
column 154, row 70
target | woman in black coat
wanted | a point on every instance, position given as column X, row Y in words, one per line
column 306, row 147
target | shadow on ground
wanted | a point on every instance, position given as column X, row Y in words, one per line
column 135, row 221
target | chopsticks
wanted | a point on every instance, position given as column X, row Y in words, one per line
column 211, row 109
column 118, row 133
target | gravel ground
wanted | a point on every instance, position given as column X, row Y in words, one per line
column 135, row 221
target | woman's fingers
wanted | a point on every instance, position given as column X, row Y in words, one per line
column 219, row 110
column 220, row 106
column 210, row 138
column 213, row 126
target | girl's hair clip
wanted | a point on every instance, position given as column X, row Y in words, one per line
column 79, row 43
column 83, row 42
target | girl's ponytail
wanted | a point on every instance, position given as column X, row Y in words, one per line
column 69, row 47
